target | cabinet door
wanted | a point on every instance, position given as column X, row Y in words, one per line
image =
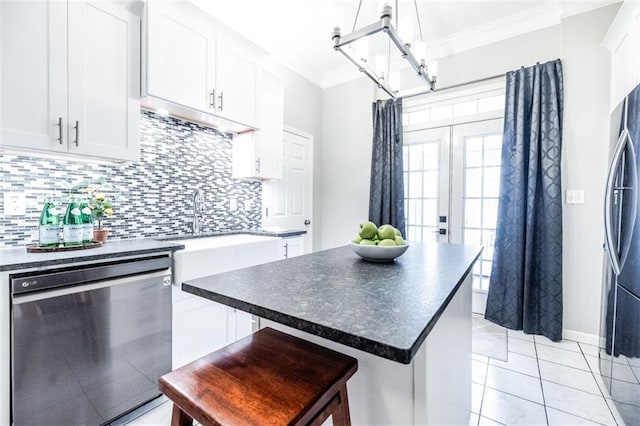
column 34, row 74
column 268, row 140
column 199, row 328
column 236, row 85
column 180, row 56
column 104, row 73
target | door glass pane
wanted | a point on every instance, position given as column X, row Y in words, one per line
column 473, row 183
column 482, row 184
column 422, row 190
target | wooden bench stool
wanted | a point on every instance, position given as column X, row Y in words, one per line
column 268, row 378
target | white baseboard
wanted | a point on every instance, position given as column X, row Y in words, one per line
column 579, row 336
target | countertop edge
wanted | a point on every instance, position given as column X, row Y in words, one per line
column 78, row 256
column 392, row 353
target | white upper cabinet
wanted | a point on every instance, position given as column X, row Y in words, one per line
column 195, row 69
column 623, row 40
column 258, row 155
column 181, row 56
column 70, row 78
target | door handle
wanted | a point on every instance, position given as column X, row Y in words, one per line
column 220, row 101
column 307, row 222
column 60, row 130
column 77, row 128
column 612, row 248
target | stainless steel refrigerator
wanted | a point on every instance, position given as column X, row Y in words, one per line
column 619, row 355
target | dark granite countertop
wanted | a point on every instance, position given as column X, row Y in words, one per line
column 18, row 258
column 386, row 309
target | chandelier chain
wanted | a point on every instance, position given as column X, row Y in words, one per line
column 355, row 21
column 415, row 3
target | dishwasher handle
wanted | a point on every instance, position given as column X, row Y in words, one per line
column 42, row 280
column 64, row 291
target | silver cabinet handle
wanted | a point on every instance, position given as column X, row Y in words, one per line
column 77, row 128
column 220, row 100
column 212, row 98
column 60, row 130
column 258, row 165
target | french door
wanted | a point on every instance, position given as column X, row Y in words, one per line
column 452, row 181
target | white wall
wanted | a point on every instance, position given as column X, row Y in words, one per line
column 585, row 157
column 576, row 41
column 345, row 159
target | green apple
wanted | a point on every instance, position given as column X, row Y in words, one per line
column 366, row 242
column 397, row 231
column 386, row 232
column 368, row 230
column 357, row 240
column 387, row 242
column 399, row 241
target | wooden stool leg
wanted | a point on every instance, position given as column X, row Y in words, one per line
column 340, row 415
column 180, row 418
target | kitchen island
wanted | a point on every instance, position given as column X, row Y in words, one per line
column 407, row 322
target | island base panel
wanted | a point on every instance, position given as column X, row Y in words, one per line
column 435, row 388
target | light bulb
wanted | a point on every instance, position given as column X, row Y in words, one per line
column 381, row 64
column 394, row 80
column 337, row 17
column 432, row 68
column 361, row 49
column 419, row 50
column 405, row 29
column 384, row 3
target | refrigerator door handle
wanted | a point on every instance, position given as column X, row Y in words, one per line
column 630, row 199
column 611, row 244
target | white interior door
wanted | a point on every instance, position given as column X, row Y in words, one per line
column 288, row 203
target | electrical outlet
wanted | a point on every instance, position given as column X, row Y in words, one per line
column 233, row 204
column 247, row 205
column 14, row 204
column 574, row 196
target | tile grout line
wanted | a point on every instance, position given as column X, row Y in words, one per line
column 593, row 374
column 544, row 401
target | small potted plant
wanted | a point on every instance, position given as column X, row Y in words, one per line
column 101, row 205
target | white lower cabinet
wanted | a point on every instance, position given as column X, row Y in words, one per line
column 293, row 246
column 201, row 326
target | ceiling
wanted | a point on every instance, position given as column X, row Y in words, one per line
column 297, row 33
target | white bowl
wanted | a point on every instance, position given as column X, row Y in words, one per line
column 378, row 253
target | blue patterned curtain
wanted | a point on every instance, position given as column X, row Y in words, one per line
column 386, row 194
column 525, row 291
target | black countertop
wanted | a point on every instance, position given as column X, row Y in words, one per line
column 18, row 258
column 386, row 309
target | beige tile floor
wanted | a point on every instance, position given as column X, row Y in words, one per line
column 540, row 383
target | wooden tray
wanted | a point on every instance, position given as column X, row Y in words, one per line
column 34, row 248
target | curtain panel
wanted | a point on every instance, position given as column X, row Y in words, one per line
column 525, row 289
column 386, row 193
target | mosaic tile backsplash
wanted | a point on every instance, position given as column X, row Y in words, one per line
column 176, row 158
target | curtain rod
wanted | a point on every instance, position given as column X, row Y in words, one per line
column 453, row 86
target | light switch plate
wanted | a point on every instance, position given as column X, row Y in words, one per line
column 233, row 204
column 247, row 205
column 574, row 196
column 14, row 204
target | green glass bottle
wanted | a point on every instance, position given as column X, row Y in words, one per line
column 72, row 225
column 87, row 223
column 49, row 226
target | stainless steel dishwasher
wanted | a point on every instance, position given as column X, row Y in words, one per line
column 88, row 343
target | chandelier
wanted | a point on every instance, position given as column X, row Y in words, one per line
column 354, row 47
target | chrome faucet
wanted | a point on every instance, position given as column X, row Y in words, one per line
column 197, row 204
